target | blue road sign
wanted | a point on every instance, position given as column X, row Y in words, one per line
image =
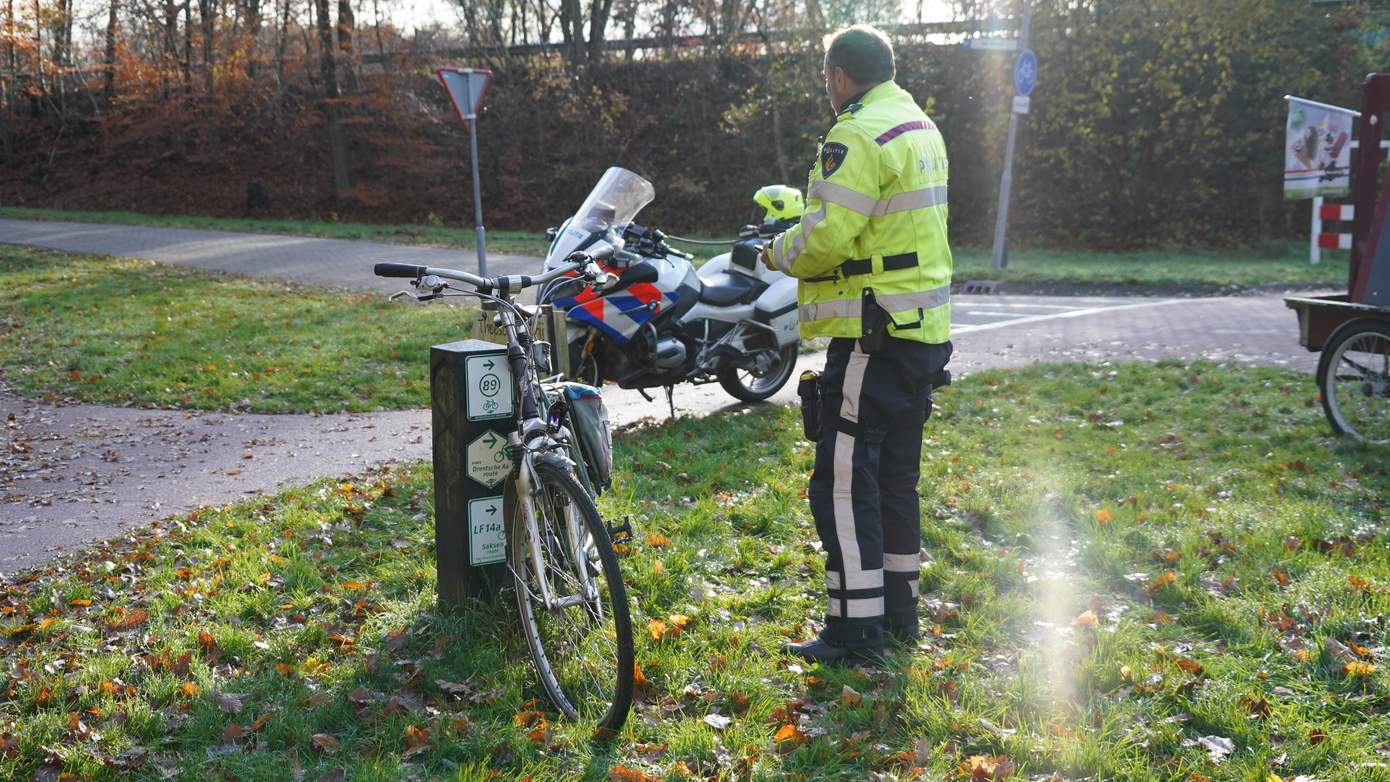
column 1025, row 72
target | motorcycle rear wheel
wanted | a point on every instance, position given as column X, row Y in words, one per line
column 748, row 387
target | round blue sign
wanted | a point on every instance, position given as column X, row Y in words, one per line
column 1025, row 72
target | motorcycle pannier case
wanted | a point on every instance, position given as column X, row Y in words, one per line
column 588, row 423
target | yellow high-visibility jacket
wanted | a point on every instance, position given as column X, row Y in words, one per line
column 875, row 222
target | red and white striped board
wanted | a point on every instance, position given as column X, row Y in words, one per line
column 1339, row 212
column 1334, row 241
column 1323, row 240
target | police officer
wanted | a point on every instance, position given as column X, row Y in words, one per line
column 874, row 272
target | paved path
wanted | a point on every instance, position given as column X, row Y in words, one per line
column 336, row 263
column 73, row 474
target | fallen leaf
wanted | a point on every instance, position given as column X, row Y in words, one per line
column 986, row 769
column 656, row 540
column 789, row 737
column 1217, row 747
column 1358, row 670
column 189, row 689
column 717, row 721
column 1087, row 619
column 130, row 619
column 415, row 735
column 625, row 774
column 234, row 732
column 849, row 697
column 1338, row 651
column 1104, row 516
column 1166, row 578
column 130, row 759
column 656, row 628
column 361, row 696
column 325, row 742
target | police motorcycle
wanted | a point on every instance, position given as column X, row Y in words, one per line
column 663, row 322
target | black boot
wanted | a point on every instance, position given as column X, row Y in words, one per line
column 825, row 653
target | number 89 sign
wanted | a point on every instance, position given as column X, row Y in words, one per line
column 489, row 383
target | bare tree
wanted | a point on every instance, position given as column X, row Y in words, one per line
column 108, row 88
column 346, row 25
column 207, row 14
column 328, row 72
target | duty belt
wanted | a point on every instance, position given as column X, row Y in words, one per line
column 891, row 263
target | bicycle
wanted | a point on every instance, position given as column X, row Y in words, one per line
column 569, row 591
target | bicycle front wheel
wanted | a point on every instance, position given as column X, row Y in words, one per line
column 570, row 594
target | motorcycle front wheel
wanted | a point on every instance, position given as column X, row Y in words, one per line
column 749, row 387
column 584, row 366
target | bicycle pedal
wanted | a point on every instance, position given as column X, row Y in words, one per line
column 621, row 533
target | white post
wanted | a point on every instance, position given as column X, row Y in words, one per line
column 1314, row 251
column 477, row 186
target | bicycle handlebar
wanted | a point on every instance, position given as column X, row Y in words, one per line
column 505, row 284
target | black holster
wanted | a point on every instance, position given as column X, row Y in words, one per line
column 873, row 323
column 809, row 391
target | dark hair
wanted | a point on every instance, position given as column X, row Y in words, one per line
column 864, row 52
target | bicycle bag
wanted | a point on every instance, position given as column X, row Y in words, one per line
column 588, row 423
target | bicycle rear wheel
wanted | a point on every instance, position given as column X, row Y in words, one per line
column 581, row 642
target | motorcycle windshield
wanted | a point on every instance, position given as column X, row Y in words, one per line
column 611, row 205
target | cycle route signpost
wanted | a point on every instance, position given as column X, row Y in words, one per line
column 472, row 413
column 466, row 88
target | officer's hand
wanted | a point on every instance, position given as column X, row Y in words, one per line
column 767, row 256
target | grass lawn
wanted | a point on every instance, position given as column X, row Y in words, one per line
column 1132, row 572
column 1279, row 263
column 121, row 331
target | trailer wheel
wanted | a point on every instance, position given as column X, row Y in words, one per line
column 1354, row 380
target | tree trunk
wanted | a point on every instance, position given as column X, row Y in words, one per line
column 328, row 72
column 108, row 89
column 380, row 45
column 10, row 54
column 187, row 43
column 253, row 34
column 207, row 14
column 599, row 11
column 346, row 26
column 280, row 41
column 38, row 49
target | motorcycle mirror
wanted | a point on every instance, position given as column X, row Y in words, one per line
column 551, row 233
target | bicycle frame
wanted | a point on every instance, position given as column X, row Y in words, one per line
column 532, row 437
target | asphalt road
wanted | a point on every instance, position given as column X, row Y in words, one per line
column 73, row 474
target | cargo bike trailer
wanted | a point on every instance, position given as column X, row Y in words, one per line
column 1352, row 329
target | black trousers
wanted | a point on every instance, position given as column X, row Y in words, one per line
column 863, row 492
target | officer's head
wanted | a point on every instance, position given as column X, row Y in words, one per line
column 856, row 58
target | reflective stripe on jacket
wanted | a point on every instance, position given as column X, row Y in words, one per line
column 875, row 221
